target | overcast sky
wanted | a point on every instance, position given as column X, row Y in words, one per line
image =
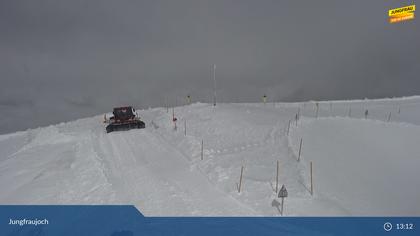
column 62, row 60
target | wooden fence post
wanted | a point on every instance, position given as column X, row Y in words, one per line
column 300, row 148
column 277, row 177
column 173, row 118
column 312, row 184
column 202, row 146
column 389, row 116
column 173, row 113
column 240, row 179
column 288, row 128
column 298, row 113
column 185, row 127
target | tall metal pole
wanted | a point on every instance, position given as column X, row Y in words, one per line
column 214, row 85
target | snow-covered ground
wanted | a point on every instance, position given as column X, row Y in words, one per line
column 360, row 166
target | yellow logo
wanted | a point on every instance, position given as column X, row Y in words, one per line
column 401, row 14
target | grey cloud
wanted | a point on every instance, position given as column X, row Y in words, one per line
column 79, row 58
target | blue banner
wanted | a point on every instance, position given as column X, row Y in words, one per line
column 127, row 220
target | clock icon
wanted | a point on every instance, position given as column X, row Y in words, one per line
column 387, row 226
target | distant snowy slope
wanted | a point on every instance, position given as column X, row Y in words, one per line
column 361, row 166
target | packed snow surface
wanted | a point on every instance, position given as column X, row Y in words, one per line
column 362, row 165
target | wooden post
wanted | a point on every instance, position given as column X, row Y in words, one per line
column 202, row 146
column 277, row 177
column 312, row 184
column 296, row 118
column 317, row 108
column 173, row 118
column 399, row 110
column 300, row 148
column 288, row 128
column 240, row 179
column 173, row 113
column 349, row 112
column 389, row 116
column 298, row 113
column 185, row 127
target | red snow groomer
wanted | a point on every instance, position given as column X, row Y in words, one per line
column 124, row 118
